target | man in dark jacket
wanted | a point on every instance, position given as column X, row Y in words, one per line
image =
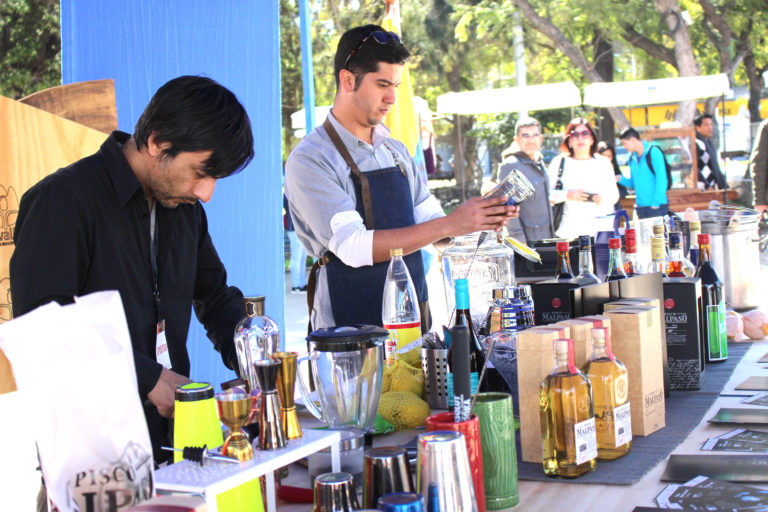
column 710, row 175
column 535, row 221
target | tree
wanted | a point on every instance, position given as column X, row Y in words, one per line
column 30, row 46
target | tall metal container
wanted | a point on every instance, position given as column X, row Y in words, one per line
column 734, row 251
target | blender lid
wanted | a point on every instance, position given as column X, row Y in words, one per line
column 343, row 338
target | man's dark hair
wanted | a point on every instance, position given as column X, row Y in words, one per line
column 629, row 133
column 195, row 113
column 701, row 117
column 368, row 55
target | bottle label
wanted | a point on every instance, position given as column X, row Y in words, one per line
column 401, row 335
column 717, row 335
column 585, row 438
column 622, row 424
column 621, row 388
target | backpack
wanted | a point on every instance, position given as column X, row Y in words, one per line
column 666, row 164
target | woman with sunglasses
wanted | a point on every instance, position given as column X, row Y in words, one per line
column 582, row 181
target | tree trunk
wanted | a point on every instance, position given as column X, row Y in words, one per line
column 576, row 56
column 603, row 61
column 686, row 63
column 755, row 86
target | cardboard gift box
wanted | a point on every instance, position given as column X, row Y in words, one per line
column 635, row 338
column 581, row 334
column 682, row 316
column 535, row 361
column 646, row 286
column 555, row 301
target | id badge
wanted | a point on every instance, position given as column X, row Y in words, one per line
column 162, row 355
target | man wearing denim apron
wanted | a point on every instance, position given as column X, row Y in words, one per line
column 354, row 192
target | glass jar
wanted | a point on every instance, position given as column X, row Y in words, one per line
column 493, row 266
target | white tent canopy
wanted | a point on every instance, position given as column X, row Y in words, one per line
column 510, row 99
column 652, row 92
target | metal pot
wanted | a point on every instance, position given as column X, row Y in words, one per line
column 734, row 251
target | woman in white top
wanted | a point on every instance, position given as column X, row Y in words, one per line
column 587, row 185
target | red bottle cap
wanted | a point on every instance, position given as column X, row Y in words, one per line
column 630, row 233
column 703, row 238
column 630, row 244
column 562, row 246
column 614, row 243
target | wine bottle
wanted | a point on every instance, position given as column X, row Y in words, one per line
column 715, row 335
column 463, row 317
column 615, row 264
column 569, row 440
column 563, row 272
column 400, row 309
column 610, row 391
column 586, row 274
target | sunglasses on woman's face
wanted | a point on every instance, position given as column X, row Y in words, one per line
column 581, row 134
column 379, row 36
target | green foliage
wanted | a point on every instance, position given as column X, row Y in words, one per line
column 30, row 45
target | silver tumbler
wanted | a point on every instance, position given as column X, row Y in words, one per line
column 443, row 472
column 335, row 492
column 385, row 470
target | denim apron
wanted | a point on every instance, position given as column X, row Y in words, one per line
column 383, row 200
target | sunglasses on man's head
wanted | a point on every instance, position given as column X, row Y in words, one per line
column 380, row 36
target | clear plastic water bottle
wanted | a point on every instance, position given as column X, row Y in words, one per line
column 400, row 310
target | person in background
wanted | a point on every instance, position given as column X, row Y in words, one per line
column 355, row 193
column 298, row 263
column 582, row 180
column 535, row 221
column 650, row 185
column 129, row 218
column 758, row 166
column 710, row 175
column 609, row 152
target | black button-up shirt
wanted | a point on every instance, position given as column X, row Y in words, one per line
column 86, row 228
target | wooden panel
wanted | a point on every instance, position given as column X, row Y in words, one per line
column 680, row 199
column 91, row 104
column 34, row 144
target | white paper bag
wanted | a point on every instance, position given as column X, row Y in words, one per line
column 75, row 363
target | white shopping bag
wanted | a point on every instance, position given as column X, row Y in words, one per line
column 75, row 363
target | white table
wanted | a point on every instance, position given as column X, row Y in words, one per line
column 216, row 477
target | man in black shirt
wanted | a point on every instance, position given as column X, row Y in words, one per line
column 710, row 175
column 129, row 218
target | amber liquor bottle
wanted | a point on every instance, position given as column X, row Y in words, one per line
column 569, row 441
column 610, row 391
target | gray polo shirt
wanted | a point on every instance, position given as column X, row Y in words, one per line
column 320, row 189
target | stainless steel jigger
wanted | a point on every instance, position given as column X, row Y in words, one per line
column 334, row 492
column 271, row 433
